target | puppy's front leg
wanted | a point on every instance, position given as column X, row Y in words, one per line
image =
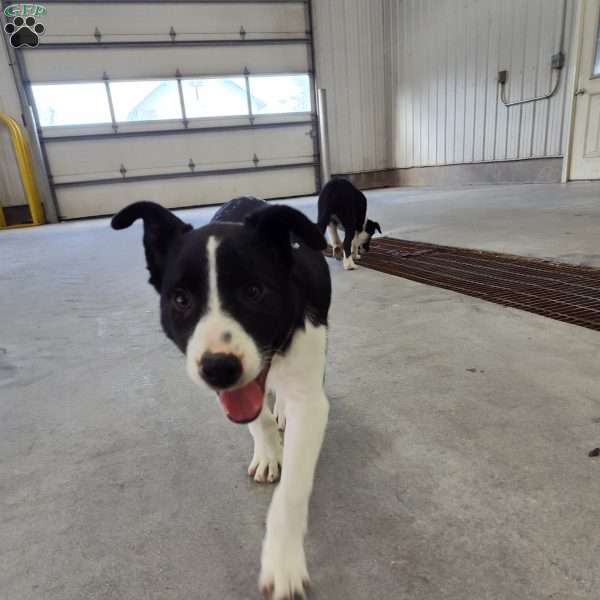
column 284, row 574
column 284, row 571
column 267, row 448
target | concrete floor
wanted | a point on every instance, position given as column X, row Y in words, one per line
column 455, row 465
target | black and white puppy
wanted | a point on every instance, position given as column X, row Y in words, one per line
column 246, row 299
column 344, row 206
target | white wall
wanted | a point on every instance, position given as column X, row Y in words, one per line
column 350, row 51
column 11, row 190
column 443, row 61
column 413, row 83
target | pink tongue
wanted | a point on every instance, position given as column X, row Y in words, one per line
column 244, row 404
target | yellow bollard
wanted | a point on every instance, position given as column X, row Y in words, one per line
column 25, row 165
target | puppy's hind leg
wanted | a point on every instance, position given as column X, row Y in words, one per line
column 336, row 242
column 279, row 412
column 349, row 263
column 268, row 450
column 355, row 247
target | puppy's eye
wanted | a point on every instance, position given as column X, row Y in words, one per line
column 254, row 292
column 182, row 300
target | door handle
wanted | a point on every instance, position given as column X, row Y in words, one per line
column 580, row 92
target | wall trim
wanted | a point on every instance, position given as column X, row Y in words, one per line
column 533, row 170
column 572, row 81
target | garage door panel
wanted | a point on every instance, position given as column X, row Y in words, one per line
column 94, row 159
column 49, row 66
column 143, row 145
column 84, row 201
column 152, row 22
column 154, row 172
column 72, row 132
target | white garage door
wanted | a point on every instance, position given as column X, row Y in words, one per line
column 185, row 103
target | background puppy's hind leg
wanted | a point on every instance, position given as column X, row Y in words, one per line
column 336, row 242
column 268, row 449
column 348, row 261
column 355, row 247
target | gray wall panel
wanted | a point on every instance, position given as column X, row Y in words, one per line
column 349, row 47
column 442, row 65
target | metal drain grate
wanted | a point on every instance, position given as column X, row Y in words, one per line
column 558, row 291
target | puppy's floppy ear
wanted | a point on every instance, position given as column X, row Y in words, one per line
column 279, row 223
column 377, row 227
column 161, row 229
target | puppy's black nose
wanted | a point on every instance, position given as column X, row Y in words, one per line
column 220, row 370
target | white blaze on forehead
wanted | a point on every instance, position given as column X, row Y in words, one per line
column 214, row 303
column 217, row 332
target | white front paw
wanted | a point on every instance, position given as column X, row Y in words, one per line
column 283, row 573
column 268, row 453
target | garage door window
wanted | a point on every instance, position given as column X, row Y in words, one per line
column 145, row 100
column 215, row 97
column 71, row 104
column 272, row 94
column 160, row 100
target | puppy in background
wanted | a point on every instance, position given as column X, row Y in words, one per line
column 344, row 206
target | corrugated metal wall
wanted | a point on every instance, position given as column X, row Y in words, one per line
column 349, row 48
column 443, row 63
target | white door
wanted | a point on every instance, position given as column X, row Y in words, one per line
column 586, row 139
column 183, row 103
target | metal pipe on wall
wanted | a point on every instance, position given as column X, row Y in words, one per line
column 528, row 100
column 323, row 135
column 558, row 62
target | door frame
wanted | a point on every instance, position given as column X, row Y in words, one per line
column 572, row 81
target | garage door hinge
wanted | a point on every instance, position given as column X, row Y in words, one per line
column 242, row 32
column 172, row 33
column 255, row 160
column 123, row 171
column 192, row 165
column 97, row 35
